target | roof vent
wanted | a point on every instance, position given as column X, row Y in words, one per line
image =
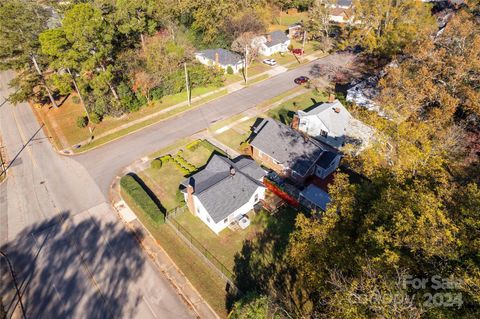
column 336, row 109
column 232, row 171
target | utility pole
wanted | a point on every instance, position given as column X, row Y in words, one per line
column 303, row 42
column 187, row 82
column 246, row 64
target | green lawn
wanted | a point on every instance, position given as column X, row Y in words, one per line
column 165, row 182
column 285, row 111
column 228, row 243
column 150, row 121
column 61, row 122
column 234, row 136
column 223, row 246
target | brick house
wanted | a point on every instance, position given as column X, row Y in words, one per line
column 291, row 153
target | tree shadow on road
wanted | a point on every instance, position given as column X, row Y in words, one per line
column 71, row 267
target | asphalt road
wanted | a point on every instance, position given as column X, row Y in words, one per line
column 73, row 257
column 107, row 161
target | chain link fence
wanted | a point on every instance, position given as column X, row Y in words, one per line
column 199, row 249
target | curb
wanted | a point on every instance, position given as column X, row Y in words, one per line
column 69, row 152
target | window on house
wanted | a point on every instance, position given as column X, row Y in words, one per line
column 323, row 133
column 256, row 198
column 225, row 220
column 208, row 219
column 198, row 210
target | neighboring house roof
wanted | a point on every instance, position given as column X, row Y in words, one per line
column 344, row 3
column 296, row 25
column 316, row 196
column 220, row 191
column 341, row 12
column 333, row 115
column 286, row 145
column 278, row 37
column 225, row 57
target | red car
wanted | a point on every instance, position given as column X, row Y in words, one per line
column 297, row 51
column 301, row 80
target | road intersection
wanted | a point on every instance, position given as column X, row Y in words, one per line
column 73, row 256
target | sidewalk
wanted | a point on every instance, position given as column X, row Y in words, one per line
column 161, row 258
column 229, row 88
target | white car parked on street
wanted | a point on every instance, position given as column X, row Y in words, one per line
column 270, row 62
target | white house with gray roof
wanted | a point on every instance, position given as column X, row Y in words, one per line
column 271, row 43
column 291, row 153
column 221, row 58
column 224, row 190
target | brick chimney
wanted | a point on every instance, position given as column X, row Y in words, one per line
column 331, row 98
column 190, row 199
column 216, row 58
column 269, row 38
column 295, row 122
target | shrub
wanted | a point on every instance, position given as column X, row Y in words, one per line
column 156, row 163
column 82, row 121
column 229, row 70
column 245, row 147
column 192, row 146
column 166, row 158
column 95, row 118
column 141, row 199
column 76, row 99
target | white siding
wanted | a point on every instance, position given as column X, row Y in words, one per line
column 236, row 68
column 268, row 51
column 202, row 213
column 323, row 173
column 311, row 125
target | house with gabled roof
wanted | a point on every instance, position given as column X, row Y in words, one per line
column 341, row 11
column 290, row 153
column 221, row 58
column 327, row 122
column 224, row 191
column 271, row 43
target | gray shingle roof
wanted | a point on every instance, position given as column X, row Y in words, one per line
column 225, row 57
column 277, row 37
column 222, row 193
column 286, row 145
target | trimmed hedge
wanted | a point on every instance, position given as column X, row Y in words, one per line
column 192, row 146
column 141, row 199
